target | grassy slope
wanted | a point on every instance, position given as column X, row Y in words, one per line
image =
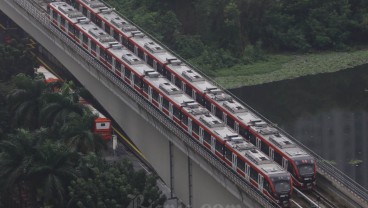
column 279, row 67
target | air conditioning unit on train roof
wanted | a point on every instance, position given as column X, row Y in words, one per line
column 137, row 34
column 173, row 61
column 192, row 76
column 105, row 10
column 152, row 74
column 83, row 20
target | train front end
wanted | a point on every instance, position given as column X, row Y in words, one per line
column 282, row 189
column 307, row 173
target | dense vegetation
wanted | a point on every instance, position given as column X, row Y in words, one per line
column 222, row 33
column 49, row 157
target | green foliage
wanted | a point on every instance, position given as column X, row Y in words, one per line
column 14, row 59
column 115, row 185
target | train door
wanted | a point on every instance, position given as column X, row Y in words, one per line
column 271, row 153
column 145, row 58
column 172, row 78
column 58, row 19
column 160, row 101
column 136, row 50
column 284, row 163
column 201, row 135
column 213, row 140
column 150, row 94
column 213, row 108
column 260, row 182
column 171, row 110
column 183, row 86
column 194, row 96
column 132, row 79
column 247, row 172
column 234, row 159
column 155, row 64
column 224, row 117
column 190, row 126
column 258, row 143
column 236, row 127
column 88, row 14
column 123, row 72
column 98, row 51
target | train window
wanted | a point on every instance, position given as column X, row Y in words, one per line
column 137, row 81
column 84, row 11
column 218, row 113
column 264, row 147
column 252, row 139
column 85, row 39
column 62, row 22
column 219, row 147
column 228, row 154
column 102, row 54
column 71, row 28
column 165, row 103
column 93, row 46
column 240, row 164
column 178, row 82
column 253, row 174
column 188, row 90
column 54, row 15
column 154, row 95
column 160, row 69
column 207, row 137
column 195, row 128
column 149, row 60
column 291, row 169
column 116, row 34
column 164, row 71
column 130, row 46
column 124, row 41
column 243, row 132
column 127, row 73
column 117, row 65
column 277, row 157
column 200, row 99
column 208, row 105
column 184, row 119
column 266, row 186
column 230, row 122
column 107, row 28
column 109, row 58
column 145, row 87
column 176, row 112
column 140, row 53
column 168, row 75
column 93, row 17
column 98, row 22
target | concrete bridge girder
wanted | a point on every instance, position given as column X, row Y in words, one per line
column 196, row 182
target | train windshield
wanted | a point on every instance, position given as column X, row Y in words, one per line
column 282, row 186
column 306, row 169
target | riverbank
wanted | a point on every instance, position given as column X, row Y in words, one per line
column 280, row 67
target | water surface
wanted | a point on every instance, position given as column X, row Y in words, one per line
column 328, row 113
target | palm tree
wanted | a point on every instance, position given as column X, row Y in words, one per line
column 15, row 159
column 77, row 135
column 52, row 171
column 57, row 108
column 26, row 100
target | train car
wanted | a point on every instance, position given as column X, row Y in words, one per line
column 278, row 146
column 213, row 134
column 102, row 125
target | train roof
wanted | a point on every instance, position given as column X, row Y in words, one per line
column 261, row 160
column 239, row 111
column 176, row 95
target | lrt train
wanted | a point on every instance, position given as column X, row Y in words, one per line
column 101, row 126
column 223, row 142
column 243, row 120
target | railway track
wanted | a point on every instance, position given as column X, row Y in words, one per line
column 313, row 198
